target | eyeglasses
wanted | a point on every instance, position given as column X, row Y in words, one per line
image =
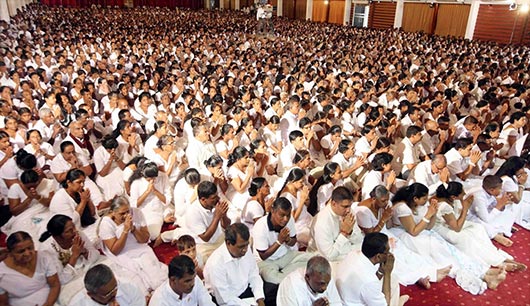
column 110, row 293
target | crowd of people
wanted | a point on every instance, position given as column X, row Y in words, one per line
column 324, row 165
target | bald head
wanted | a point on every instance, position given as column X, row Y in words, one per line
column 439, row 161
column 431, row 125
column 318, row 264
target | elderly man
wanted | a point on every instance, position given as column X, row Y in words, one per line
column 231, row 274
column 361, row 273
column 312, row 287
column 334, row 231
column 102, row 288
column 431, row 173
column 274, row 236
column 183, row 287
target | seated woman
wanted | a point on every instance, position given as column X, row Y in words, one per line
column 27, row 277
column 381, row 174
column 150, row 193
column 109, row 166
column 73, row 200
column 372, row 215
column 168, row 159
column 124, row 234
column 258, row 204
column 129, row 169
column 16, row 137
column 413, row 222
column 28, row 201
column 73, row 251
column 216, row 174
column 324, row 186
column 469, row 237
column 241, row 170
column 297, row 192
column 43, row 151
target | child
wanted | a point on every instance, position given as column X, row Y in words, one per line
column 186, row 246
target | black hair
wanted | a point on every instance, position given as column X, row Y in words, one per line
column 452, row 189
column 29, row 177
column 238, row 153
column 181, row 265
column 255, row 185
column 25, row 160
column 206, row 189
column 408, row 193
column 380, row 160
column 281, row 203
column 235, row 230
column 15, row 238
column 511, row 166
column 329, row 169
column 55, row 227
column 341, row 193
column 294, row 175
column 374, row 243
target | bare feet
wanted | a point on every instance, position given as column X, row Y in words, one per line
column 494, row 277
column 424, row 282
column 442, row 273
column 513, row 266
column 503, row 240
column 158, row 241
column 403, row 299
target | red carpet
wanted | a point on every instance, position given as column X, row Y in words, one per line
column 514, row 291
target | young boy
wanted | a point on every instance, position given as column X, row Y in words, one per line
column 186, row 246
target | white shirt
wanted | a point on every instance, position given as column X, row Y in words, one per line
column 294, row 291
column 357, row 282
column 165, row 296
column 406, row 153
column 456, row 163
column 128, row 294
column 265, row 236
column 327, row 239
column 227, row 277
column 288, row 123
column 422, row 173
column 197, row 152
column 197, row 220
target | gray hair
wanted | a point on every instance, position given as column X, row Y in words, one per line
column 118, row 202
column 44, row 111
column 318, row 264
column 378, row 192
column 97, row 277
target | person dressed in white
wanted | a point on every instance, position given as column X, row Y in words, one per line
column 28, row 202
column 359, row 278
column 183, row 286
column 274, row 241
column 102, row 288
column 381, row 174
column 150, row 193
column 124, row 235
column 462, row 161
column 258, row 204
column 323, row 188
column 109, row 166
column 334, row 232
column 231, row 273
column 468, row 236
column 200, row 148
column 312, row 286
column 407, row 154
column 413, row 223
column 488, row 209
column 241, row 170
column 431, row 173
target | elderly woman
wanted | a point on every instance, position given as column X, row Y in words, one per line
column 27, row 277
column 124, row 234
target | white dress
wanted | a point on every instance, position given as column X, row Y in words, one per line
column 111, row 184
column 251, row 211
column 472, row 239
column 33, row 219
column 41, row 159
column 236, row 198
column 409, row 266
column 23, row 290
column 138, row 258
column 152, row 208
column 467, row 272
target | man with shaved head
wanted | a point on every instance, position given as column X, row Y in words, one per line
column 431, row 173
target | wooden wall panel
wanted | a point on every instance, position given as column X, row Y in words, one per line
column 381, row 15
column 418, row 17
column 336, row 11
column 300, row 9
column 452, row 20
column 497, row 22
column 320, row 11
column 288, row 8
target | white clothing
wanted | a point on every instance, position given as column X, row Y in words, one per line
column 483, row 211
column 236, row 198
column 128, row 294
column 327, row 239
column 227, row 277
column 23, row 290
column 111, row 184
column 41, row 159
column 197, row 152
column 182, row 198
column 406, row 154
column 456, row 163
column 472, row 239
column 251, row 211
column 138, row 258
column 294, row 291
column 288, row 123
column 197, row 220
column 372, row 179
column 165, row 296
column 265, row 236
column 422, row 173
column 304, row 219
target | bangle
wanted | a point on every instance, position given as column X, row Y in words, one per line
column 278, row 242
column 379, row 272
column 426, row 220
column 472, row 164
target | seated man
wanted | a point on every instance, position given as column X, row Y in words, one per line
column 492, row 211
column 407, row 154
column 461, row 161
column 102, row 288
column 274, row 236
column 231, row 273
column 205, row 219
column 333, row 231
column 359, row 279
column 431, row 173
column 183, row 287
column 314, row 286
